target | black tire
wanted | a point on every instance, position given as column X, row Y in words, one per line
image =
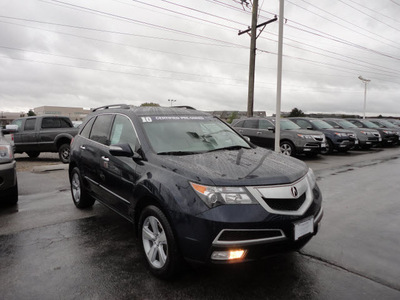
column 329, row 147
column 287, row 148
column 33, row 154
column 12, row 195
column 63, row 153
column 158, row 243
column 79, row 195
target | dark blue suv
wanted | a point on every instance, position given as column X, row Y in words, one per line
column 194, row 188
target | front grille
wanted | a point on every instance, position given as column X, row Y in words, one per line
column 285, row 204
column 246, row 235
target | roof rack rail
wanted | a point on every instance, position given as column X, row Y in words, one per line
column 122, row 106
column 184, row 106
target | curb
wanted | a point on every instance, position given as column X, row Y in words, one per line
column 48, row 168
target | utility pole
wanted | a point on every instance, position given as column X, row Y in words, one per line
column 252, row 64
column 279, row 80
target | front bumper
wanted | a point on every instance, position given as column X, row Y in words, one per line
column 8, row 175
column 248, row 227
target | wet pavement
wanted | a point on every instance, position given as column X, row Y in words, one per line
column 51, row 250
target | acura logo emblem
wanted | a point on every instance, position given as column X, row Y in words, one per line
column 294, row 191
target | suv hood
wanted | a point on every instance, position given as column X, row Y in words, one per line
column 340, row 130
column 244, row 167
column 305, row 131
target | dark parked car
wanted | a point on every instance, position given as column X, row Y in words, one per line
column 389, row 137
column 293, row 139
column 367, row 138
column 388, row 125
column 8, row 174
column 192, row 186
column 44, row 134
column 341, row 140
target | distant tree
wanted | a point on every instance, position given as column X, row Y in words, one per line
column 149, row 104
column 380, row 116
column 31, row 113
column 232, row 117
column 296, row 113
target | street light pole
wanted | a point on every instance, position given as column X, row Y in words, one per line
column 365, row 81
column 171, row 100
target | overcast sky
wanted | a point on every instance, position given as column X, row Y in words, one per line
column 89, row 53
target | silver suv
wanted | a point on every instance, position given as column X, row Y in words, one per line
column 293, row 140
column 8, row 174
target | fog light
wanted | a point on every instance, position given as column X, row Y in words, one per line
column 228, row 255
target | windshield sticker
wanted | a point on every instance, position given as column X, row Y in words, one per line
column 168, row 118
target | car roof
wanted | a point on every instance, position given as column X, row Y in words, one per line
column 150, row 110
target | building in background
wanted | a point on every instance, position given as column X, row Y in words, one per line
column 74, row 113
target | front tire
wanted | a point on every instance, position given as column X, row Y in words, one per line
column 63, row 153
column 12, row 195
column 287, row 148
column 79, row 195
column 329, row 147
column 158, row 243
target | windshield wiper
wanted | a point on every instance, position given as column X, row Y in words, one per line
column 237, row 147
column 177, row 153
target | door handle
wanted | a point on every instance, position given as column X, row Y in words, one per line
column 105, row 158
column 82, row 147
column 259, row 132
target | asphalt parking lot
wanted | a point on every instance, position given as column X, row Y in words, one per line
column 50, row 250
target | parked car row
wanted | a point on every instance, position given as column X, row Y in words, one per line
column 311, row 136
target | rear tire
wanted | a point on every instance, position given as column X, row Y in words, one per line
column 33, row 154
column 158, row 243
column 63, row 153
column 80, row 196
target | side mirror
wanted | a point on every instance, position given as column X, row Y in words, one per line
column 10, row 129
column 309, row 128
column 271, row 129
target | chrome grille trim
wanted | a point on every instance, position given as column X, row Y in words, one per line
column 284, row 192
column 218, row 242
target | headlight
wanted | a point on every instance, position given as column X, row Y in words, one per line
column 340, row 134
column 305, row 136
column 6, row 153
column 388, row 132
column 367, row 132
column 311, row 178
column 214, row 196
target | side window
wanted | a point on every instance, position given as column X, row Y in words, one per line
column 64, row 123
column 358, row 124
column 50, row 123
column 251, row 124
column 264, row 124
column 303, row 124
column 123, row 132
column 85, row 132
column 30, row 124
column 239, row 124
column 101, row 129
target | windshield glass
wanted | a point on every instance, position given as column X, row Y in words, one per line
column 385, row 123
column 346, row 124
column 189, row 135
column 289, row 125
column 370, row 124
column 321, row 124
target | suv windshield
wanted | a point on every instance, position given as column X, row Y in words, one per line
column 346, row 124
column 289, row 125
column 321, row 124
column 190, row 135
column 369, row 124
column 385, row 123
